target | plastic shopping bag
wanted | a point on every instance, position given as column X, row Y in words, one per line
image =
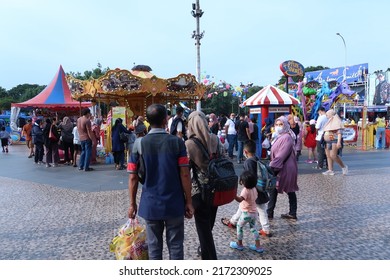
column 130, row 242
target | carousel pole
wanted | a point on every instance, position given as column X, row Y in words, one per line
column 197, row 13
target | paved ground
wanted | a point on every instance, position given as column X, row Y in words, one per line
column 62, row 213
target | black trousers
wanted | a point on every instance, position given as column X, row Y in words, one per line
column 321, row 155
column 292, row 201
column 204, row 222
column 38, row 155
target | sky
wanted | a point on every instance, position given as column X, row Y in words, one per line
column 244, row 41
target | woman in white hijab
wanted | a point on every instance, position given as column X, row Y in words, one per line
column 332, row 137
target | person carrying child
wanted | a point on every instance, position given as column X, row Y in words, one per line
column 249, row 214
column 250, row 164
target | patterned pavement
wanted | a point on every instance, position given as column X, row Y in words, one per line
column 64, row 214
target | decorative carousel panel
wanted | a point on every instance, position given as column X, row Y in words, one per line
column 119, row 81
column 182, row 84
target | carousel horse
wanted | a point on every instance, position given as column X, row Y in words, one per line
column 341, row 92
column 323, row 91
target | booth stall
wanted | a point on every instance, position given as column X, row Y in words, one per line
column 270, row 102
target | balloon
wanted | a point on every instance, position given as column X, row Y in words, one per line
column 205, row 81
column 227, row 86
column 225, row 93
column 234, row 93
column 238, row 89
column 207, row 76
column 216, row 93
column 209, row 95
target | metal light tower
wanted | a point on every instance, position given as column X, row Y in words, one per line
column 345, row 62
column 197, row 13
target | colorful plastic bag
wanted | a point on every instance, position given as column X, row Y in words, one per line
column 130, row 242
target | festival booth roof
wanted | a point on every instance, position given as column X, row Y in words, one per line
column 271, row 95
column 56, row 96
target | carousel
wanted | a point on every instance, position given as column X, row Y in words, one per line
column 136, row 89
column 129, row 93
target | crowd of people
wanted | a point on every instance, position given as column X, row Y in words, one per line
column 163, row 148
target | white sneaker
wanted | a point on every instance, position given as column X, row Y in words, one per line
column 329, row 172
column 345, row 170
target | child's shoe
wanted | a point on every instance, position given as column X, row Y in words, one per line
column 235, row 245
column 256, row 249
column 265, row 233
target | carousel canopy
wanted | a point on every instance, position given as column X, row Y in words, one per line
column 56, row 95
column 271, row 95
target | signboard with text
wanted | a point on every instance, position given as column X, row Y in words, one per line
column 355, row 74
column 292, row 68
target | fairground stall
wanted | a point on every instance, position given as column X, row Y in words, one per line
column 55, row 100
column 270, row 102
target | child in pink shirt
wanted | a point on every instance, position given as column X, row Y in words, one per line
column 249, row 213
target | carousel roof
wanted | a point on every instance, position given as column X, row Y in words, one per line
column 271, row 95
column 139, row 82
column 56, row 95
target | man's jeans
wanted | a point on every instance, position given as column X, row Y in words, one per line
column 86, row 151
column 232, row 139
column 174, row 236
column 240, row 153
column 380, row 138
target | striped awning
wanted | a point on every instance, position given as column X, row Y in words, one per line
column 271, row 95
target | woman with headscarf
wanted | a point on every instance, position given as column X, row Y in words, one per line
column 213, row 124
column 204, row 213
column 333, row 138
column 51, row 144
column 66, row 127
column 284, row 164
column 118, row 146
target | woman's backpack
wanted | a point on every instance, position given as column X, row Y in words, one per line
column 222, row 179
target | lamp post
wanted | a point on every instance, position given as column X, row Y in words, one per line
column 345, row 62
column 197, row 14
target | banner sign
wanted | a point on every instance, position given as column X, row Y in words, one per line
column 278, row 109
column 118, row 112
column 292, row 68
column 350, row 133
column 255, row 110
column 355, row 74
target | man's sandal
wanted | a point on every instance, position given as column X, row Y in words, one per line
column 227, row 223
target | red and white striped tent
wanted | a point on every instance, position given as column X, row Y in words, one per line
column 271, row 95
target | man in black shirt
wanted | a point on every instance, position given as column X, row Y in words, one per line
column 243, row 135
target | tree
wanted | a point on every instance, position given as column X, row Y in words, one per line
column 88, row 74
column 3, row 92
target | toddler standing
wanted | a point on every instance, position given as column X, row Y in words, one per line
column 4, row 135
column 249, row 214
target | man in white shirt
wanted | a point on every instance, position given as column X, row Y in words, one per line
column 231, row 134
column 321, row 121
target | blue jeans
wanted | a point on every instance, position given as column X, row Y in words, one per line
column 232, row 139
column 380, row 131
column 240, row 153
column 174, row 235
column 86, row 151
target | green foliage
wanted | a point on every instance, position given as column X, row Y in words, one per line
column 3, row 92
column 5, row 103
column 88, row 74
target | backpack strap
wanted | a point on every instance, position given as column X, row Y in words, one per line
column 201, row 146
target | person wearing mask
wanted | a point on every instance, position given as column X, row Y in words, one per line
column 118, row 146
column 284, row 164
column 213, row 124
column 37, row 138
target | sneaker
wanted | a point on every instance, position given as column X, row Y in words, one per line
column 40, row 162
column 256, row 249
column 317, row 167
column 264, row 233
column 345, row 170
column 309, row 161
column 234, row 245
column 48, row 165
column 329, row 172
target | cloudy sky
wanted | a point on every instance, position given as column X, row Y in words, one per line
column 244, row 41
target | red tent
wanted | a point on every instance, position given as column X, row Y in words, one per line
column 55, row 96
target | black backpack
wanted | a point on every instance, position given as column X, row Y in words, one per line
column 222, row 179
column 173, row 128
